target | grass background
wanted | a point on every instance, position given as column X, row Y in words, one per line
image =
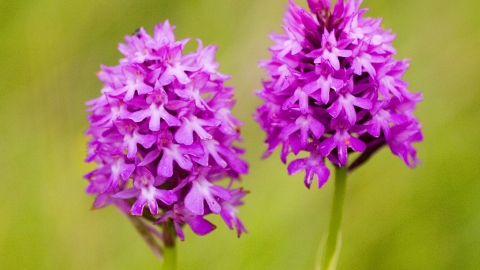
column 395, row 218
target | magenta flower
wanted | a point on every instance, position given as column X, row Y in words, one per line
column 334, row 88
column 163, row 133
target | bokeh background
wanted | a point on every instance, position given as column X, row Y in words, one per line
column 395, row 218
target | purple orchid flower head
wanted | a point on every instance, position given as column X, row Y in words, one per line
column 162, row 135
column 334, row 88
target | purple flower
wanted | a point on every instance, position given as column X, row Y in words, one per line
column 146, row 193
column 162, row 135
column 180, row 216
column 313, row 166
column 204, row 191
column 229, row 211
column 334, row 88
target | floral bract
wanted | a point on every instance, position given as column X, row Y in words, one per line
column 163, row 134
column 334, row 88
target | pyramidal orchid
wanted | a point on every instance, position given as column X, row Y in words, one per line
column 162, row 138
column 335, row 88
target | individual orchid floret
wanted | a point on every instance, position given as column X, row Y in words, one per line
column 156, row 112
column 181, row 216
column 134, row 82
column 204, row 191
column 131, row 137
column 329, row 51
column 313, row 166
column 146, row 193
column 163, row 135
column 229, row 211
column 334, row 88
column 341, row 140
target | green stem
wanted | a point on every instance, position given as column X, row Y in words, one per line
column 169, row 250
column 330, row 250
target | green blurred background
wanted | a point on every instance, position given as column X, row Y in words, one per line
column 395, row 218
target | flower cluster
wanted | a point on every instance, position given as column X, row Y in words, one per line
column 163, row 134
column 334, row 88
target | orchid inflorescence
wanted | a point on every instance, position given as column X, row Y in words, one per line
column 163, row 135
column 334, row 88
